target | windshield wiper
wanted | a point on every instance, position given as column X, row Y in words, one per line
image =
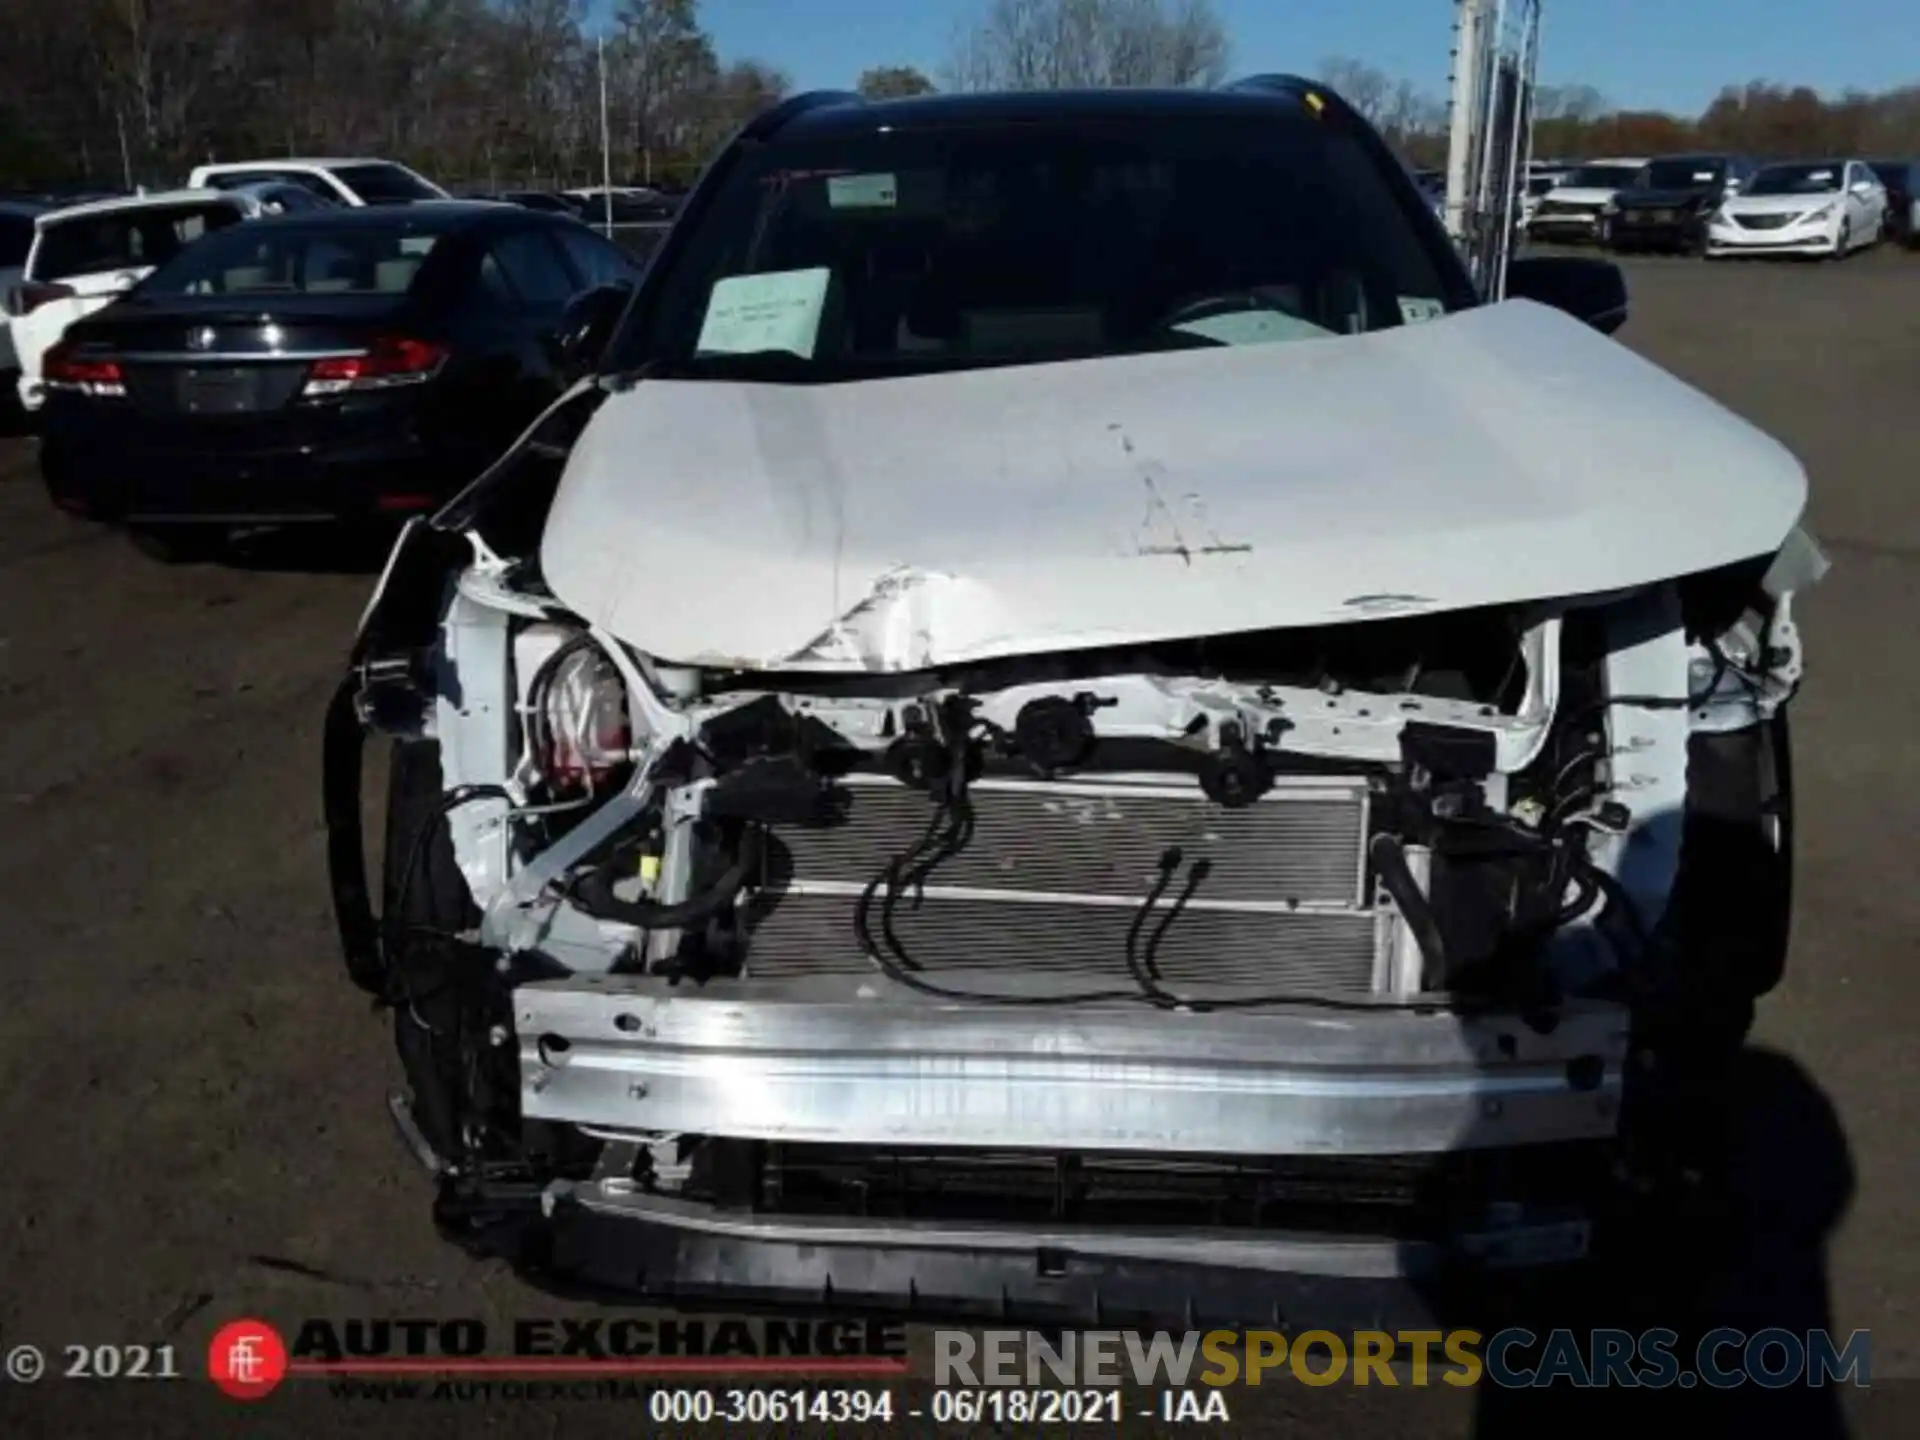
column 773, row 366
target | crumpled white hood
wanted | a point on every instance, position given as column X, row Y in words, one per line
column 1502, row 454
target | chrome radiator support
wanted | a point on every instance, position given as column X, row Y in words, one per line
column 858, row 1061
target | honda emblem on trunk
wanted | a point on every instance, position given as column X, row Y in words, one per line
column 201, row 339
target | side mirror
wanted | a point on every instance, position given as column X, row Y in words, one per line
column 587, row 325
column 1587, row 289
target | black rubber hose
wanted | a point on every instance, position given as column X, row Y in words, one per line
column 1141, row 967
column 1390, row 864
column 593, row 893
column 342, row 741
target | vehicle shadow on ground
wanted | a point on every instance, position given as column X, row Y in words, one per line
column 311, row 551
column 1755, row 1176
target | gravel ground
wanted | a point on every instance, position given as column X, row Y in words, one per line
column 191, row 1095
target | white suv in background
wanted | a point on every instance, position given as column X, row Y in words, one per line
column 348, row 182
column 85, row 257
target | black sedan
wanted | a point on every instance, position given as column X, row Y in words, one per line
column 1902, row 179
column 1667, row 207
column 344, row 367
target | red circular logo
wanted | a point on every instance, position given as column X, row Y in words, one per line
column 247, row 1358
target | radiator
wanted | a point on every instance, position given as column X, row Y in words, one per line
column 1054, row 877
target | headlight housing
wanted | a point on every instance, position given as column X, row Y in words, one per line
column 1825, row 212
column 579, row 721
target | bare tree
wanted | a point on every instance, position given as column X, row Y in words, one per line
column 1366, row 89
column 1090, row 44
column 506, row 91
column 1581, row 104
column 893, row 82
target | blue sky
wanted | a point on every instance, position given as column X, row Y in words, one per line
column 1667, row 54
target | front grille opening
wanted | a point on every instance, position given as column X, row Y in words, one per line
column 1396, row 1196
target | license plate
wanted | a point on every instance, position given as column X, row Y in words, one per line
column 218, row 392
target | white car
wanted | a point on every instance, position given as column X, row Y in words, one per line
column 1809, row 207
column 1570, row 211
column 363, row 181
column 1538, row 187
column 16, row 239
column 1091, row 717
column 86, row 256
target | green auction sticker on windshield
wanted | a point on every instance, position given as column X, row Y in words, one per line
column 779, row 310
column 1415, row 309
column 863, row 192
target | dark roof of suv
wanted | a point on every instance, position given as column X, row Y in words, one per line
column 824, row 114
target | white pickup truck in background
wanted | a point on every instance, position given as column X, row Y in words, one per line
column 365, row 181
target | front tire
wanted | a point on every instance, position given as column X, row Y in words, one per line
column 432, row 979
column 1732, row 907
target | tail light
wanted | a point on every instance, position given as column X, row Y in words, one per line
column 25, row 299
column 62, row 368
column 390, row 361
column 579, row 723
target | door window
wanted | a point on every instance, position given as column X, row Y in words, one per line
column 534, row 268
column 598, row 262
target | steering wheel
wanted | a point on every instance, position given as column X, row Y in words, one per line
column 1227, row 302
column 1354, row 293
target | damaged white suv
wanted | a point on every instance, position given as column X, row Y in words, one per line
column 1067, row 723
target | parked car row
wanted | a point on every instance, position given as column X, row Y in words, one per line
column 287, row 341
column 65, row 257
column 1720, row 205
column 597, row 205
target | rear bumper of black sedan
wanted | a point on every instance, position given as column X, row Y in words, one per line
column 106, row 469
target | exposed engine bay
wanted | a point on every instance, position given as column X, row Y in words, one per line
column 1471, row 804
column 1305, row 917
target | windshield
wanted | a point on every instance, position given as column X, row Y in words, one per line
column 1601, row 177
column 875, row 254
column 275, row 258
column 124, row 239
column 1541, row 184
column 1683, row 174
column 1820, row 178
column 381, row 184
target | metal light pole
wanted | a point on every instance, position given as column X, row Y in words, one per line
column 606, row 144
column 126, row 159
column 1496, row 50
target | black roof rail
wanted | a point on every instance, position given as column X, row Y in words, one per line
column 771, row 121
column 1276, row 84
column 1292, row 87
